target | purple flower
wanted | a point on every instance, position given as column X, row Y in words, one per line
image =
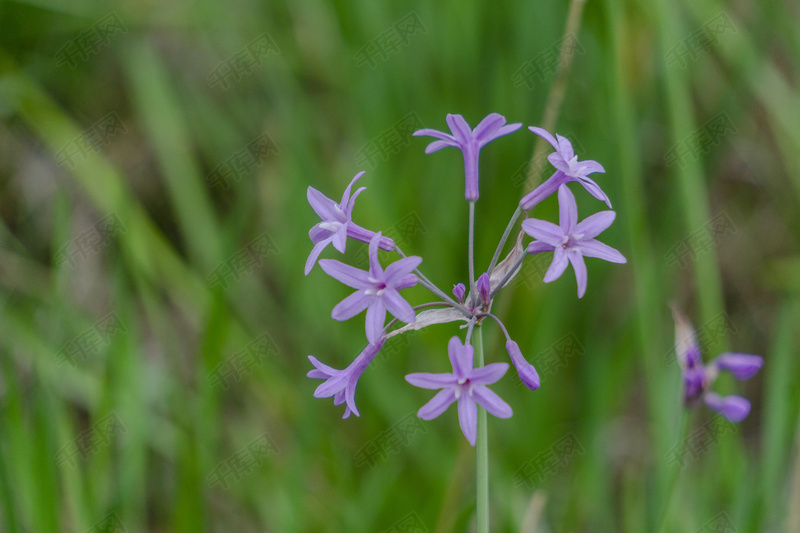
column 527, row 374
column 571, row 241
column 470, row 143
column 341, row 384
column 377, row 289
column 568, row 168
column 465, row 385
column 698, row 378
column 337, row 223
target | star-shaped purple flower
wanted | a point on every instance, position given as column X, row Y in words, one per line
column 571, row 241
column 337, row 223
column 341, row 384
column 465, row 385
column 568, row 168
column 470, row 143
column 377, row 289
column 698, row 378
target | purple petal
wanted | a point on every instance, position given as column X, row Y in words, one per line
column 567, row 210
column 400, row 269
column 743, row 366
column 323, row 206
column 490, row 401
column 340, row 238
column 486, row 127
column 312, row 257
column 348, row 208
column 557, row 160
column 590, row 167
column 375, row 270
column 427, row 132
column 376, row 317
column 579, row 266
column 332, row 385
column 435, row 146
column 558, row 266
column 461, row 130
column 565, row 147
column 316, row 233
column 488, row 374
column 438, row 404
column 460, row 357
column 505, row 130
column 526, row 372
column 595, row 190
column 544, row 231
column 397, row 306
column 352, row 305
column 425, row 380
column 346, row 195
column 407, row 281
column 321, row 370
column 594, row 225
column 537, row 247
column 734, row 408
column 468, row 417
column 536, row 196
column 544, row 134
column 350, row 276
column 602, row 251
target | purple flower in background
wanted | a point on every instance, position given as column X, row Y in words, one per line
column 470, row 143
column 337, row 223
column 568, row 168
column 465, row 385
column 698, row 378
column 571, row 241
column 341, row 384
column 377, row 289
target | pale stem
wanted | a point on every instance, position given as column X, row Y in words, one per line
column 503, row 239
column 472, row 251
column 425, row 282
column 482, row 451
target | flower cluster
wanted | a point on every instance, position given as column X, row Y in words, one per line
column 570, row 241
column 698, row 378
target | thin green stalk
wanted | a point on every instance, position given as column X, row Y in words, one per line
column 482, row 450
column 675, row 474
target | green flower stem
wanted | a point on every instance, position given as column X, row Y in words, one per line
column 482, row 450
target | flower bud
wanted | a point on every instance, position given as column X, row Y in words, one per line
column 484, row 289
column 459, row 291
column 527, row 374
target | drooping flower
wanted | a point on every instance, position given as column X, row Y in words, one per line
column 337, row 223
column 527, row 374
column 571, row 241
column 568, row 168
column 377, row 289
column 470, row 143
column 341, row 384
column 698, row 378
column 465, row 385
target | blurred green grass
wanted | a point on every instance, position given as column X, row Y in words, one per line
column 258, row 452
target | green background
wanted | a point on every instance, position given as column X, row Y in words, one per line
column 139, row 400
